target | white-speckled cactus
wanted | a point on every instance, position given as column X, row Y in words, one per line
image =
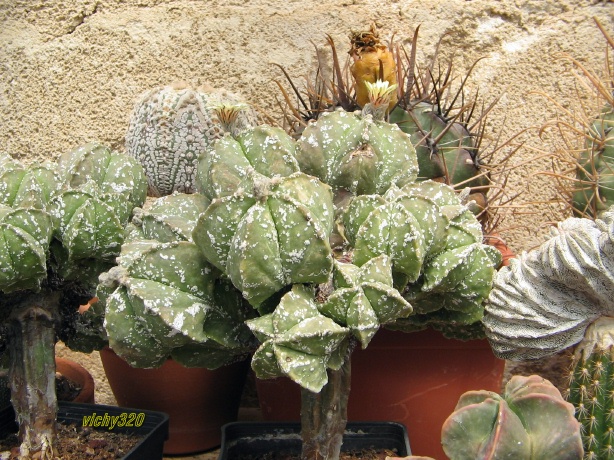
column 270, row 234
column 171, row 127
column 557, row 296
column 164, row 299
column 268, row 151
column 435, row 244
column 58, row 229
column 268, row 229
column 359, row 152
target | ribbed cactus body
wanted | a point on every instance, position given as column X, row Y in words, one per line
column 593, row 191
column 25, row 234
column 529, row 421
column 591, row 387
column 364, row 298
column 298, row 341
column 170, row 128
column 267, row 150
column 31, row 186
column 435, row 245
column 270, row 234
column 111, row 171
column 445, row 149
column 353, row 152
column 169, row 218
column 563, row 286
column 161, row 298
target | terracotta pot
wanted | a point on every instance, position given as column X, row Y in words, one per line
column 415, row 379
column 198, row 401
column 79, row 375
column 497, row 242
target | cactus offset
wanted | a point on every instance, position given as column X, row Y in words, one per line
column 170, row 128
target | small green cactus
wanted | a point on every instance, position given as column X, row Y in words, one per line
column 171, row 127
column 531, row 421
column 590, row 389
column 594, row 188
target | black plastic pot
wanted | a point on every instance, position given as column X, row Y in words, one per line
column 153, row 426
column 259, row 438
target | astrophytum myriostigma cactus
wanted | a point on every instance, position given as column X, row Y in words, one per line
column 435, row 244
column 298, row 341
column 161, row 302
column 169, row 218
column 357, row 153
column 271, row 233
column 364, row 298
column 267, row 150
column 530, row 421
column 171, row 127
column 31, row 186
column 25, row 234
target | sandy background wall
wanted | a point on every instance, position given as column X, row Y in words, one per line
column 70, row 70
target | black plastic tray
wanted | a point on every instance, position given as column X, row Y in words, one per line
column 154, row 428
column 258, row 438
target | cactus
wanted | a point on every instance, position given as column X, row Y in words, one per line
column 531, row 420
column 170, row 128
column 356, row 152
column 267, row 150
column 584, row 139
column 592, row 193
column 59, row 227
column 590, row 389
column 555, row 297
column 437, row 254
column 270, row 234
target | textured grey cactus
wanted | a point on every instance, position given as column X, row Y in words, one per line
column 557, row 296
column 171, row 127
column 544, row 301
column 59, row 227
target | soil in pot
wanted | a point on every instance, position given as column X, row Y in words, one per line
column 366, row 454
column 80, row 443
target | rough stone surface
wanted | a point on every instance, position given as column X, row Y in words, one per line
column 71, row 70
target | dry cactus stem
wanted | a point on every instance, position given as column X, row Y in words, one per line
column 171, row 127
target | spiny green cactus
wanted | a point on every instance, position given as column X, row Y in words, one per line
column 171, row 127
column 594, row 188
column 531, row 420
column 591, row 387
column 270, row 234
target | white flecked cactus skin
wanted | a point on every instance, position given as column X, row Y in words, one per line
column 544, row 301
column 171, row 127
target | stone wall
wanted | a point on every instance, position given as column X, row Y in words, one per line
column 70, row 70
